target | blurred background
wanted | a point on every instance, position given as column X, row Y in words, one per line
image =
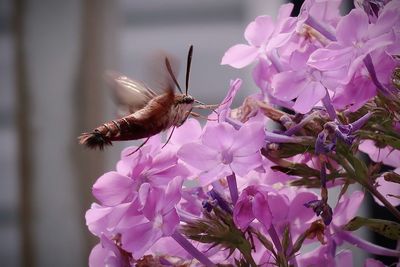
column 53, row 55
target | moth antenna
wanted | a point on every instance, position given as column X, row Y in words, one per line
column 188, row 64
column 172, row 74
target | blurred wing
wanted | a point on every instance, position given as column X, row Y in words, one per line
column 129, row 94
column 156, row 73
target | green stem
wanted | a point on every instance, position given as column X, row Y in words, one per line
column 385, row 202
column 246, row 252
column 365, row 183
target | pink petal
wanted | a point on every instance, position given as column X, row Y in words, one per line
column 140, row 238
column 388, row 19
column 297, row 210
column 288, row 85
column 387, row 189
column 373, row 263
column 249, row 139
column 239, row 56
column 144, row 191
column 347, row 208
column 278, row 40
column 242, row 165
column 224, row 107
column 113, row 188
column 262, row 73
column 198, row 156
column 261, row 210
column 331, row 58
column 172, row 194
column 190, row 131
column 170, row 222
column 344, row 259
column 211, row 175
column 279, row 206
column 309, row 97
column 154, row 203
column 353, row 27
column 259, row 30
column 378, row 42
column 243, row 213
column 218, row 136
column 285, row 11
column 387, row 155
column 101, row 219
column 98, row 256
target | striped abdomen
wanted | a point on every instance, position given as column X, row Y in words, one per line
column 146, row 122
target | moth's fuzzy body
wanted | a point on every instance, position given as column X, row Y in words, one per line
column 160, row 113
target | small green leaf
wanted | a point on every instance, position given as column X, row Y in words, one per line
column 286, row 150
column 381, row 138
column 297, row 245
column 286, row 239
column 266, row 243
column 355, row 168
column 386, row 228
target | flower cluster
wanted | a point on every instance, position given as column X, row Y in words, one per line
column 240, row 192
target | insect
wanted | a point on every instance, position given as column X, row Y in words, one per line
column 151, row 113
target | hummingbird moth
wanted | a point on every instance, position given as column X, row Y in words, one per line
column 150, row 113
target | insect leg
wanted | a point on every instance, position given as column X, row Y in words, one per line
column 206, row 106
column 139, row 147
column 169, row 137
column 197, row 115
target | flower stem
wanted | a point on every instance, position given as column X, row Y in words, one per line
column 328, row 105
column 372, row 73
column 292, row 260
column 385, row 202
column 233, row 190
column 275, row 60
column 235, row 123
column 398, row 248
column 275, row 238
column 281, row 138
column 181, row 240
column 365, row 245
column 301, row 124
column 320, row 28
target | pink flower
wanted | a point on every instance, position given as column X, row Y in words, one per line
column 305, row 84
column 107, row 253
column 386, row 155
column 356, row 38
column 263, row 35
column 252, row 204
column 224, row 150
column 388, row 190
column 326, row 256
column 160, row 218
column 347, row 208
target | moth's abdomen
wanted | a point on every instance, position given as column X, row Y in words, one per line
column 127, row 128
column 94, row 139
column 154, row 118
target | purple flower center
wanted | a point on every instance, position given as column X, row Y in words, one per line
column 315, row 75
column 226, row 157
column 158, row 221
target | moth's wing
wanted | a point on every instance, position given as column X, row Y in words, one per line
column 156, row 73
column 131, row 95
